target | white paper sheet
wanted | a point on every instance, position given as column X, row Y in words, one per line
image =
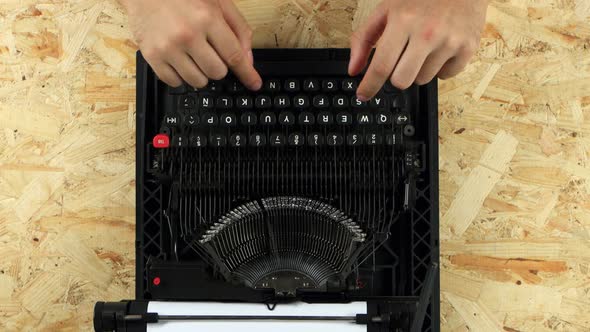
column 292, row 309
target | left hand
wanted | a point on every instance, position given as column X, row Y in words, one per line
column 416, row 41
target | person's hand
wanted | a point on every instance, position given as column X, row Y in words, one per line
column 193, row 40
column 416, row 41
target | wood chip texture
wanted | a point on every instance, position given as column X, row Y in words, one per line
column 514, row 160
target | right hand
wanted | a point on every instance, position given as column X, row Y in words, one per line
column 193, row 40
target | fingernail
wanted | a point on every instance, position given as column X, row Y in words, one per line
column 257, row 85
column 361, row 97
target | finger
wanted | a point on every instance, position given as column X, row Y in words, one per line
column 433, row 64
column 208, row 60
column 166, row 73
column 363, row 40
column 410, row 63
column 386, row 56
column 238, row 24
column 455, row 64
column 227, row 45
column 188, row 70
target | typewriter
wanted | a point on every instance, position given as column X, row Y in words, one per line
column 292, row 205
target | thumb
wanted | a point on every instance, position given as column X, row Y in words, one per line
column 363, row 40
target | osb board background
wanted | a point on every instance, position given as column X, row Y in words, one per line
column 514, row 145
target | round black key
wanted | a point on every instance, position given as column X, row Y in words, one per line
column 218, row 140
column 340, row 101
column 356, row 103
column 180, row 141
column 282, row 101
column 390, row 138
column 234, row 86
column 364, row 118
column 197, row 140
column 384, row 118
column 315, row 139
column 272, row 85
column 329, row 85
column 378, row 102
column 268, row 118
column 191, row 120
column 277, row 139
column 354, row 139
column 344, row 118
column 225, row 102
column 210, row 119
column 349, row 85
column 402, row 118
column 286, row 118
column 213, row 86
column 325, row 118
column 311, row 85
column 301, row 101
column 262, row 102
column 321, row 101
column 306, row 119
column 237, row 140
column 244, row 102
column 292, row 85
column 296, row 139
column 257, row 140
column 374, row 139
column 172, row 120
column 206, row 101
column 228, row 120
column 249, row 118
column 335, row 139
column 186, row 102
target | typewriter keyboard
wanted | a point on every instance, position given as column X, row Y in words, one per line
column 287, row 112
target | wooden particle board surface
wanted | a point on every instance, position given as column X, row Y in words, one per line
column 514, row 160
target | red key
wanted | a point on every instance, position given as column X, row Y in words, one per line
column 161, row 141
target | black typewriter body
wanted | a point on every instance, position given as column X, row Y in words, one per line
column 296, row 192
